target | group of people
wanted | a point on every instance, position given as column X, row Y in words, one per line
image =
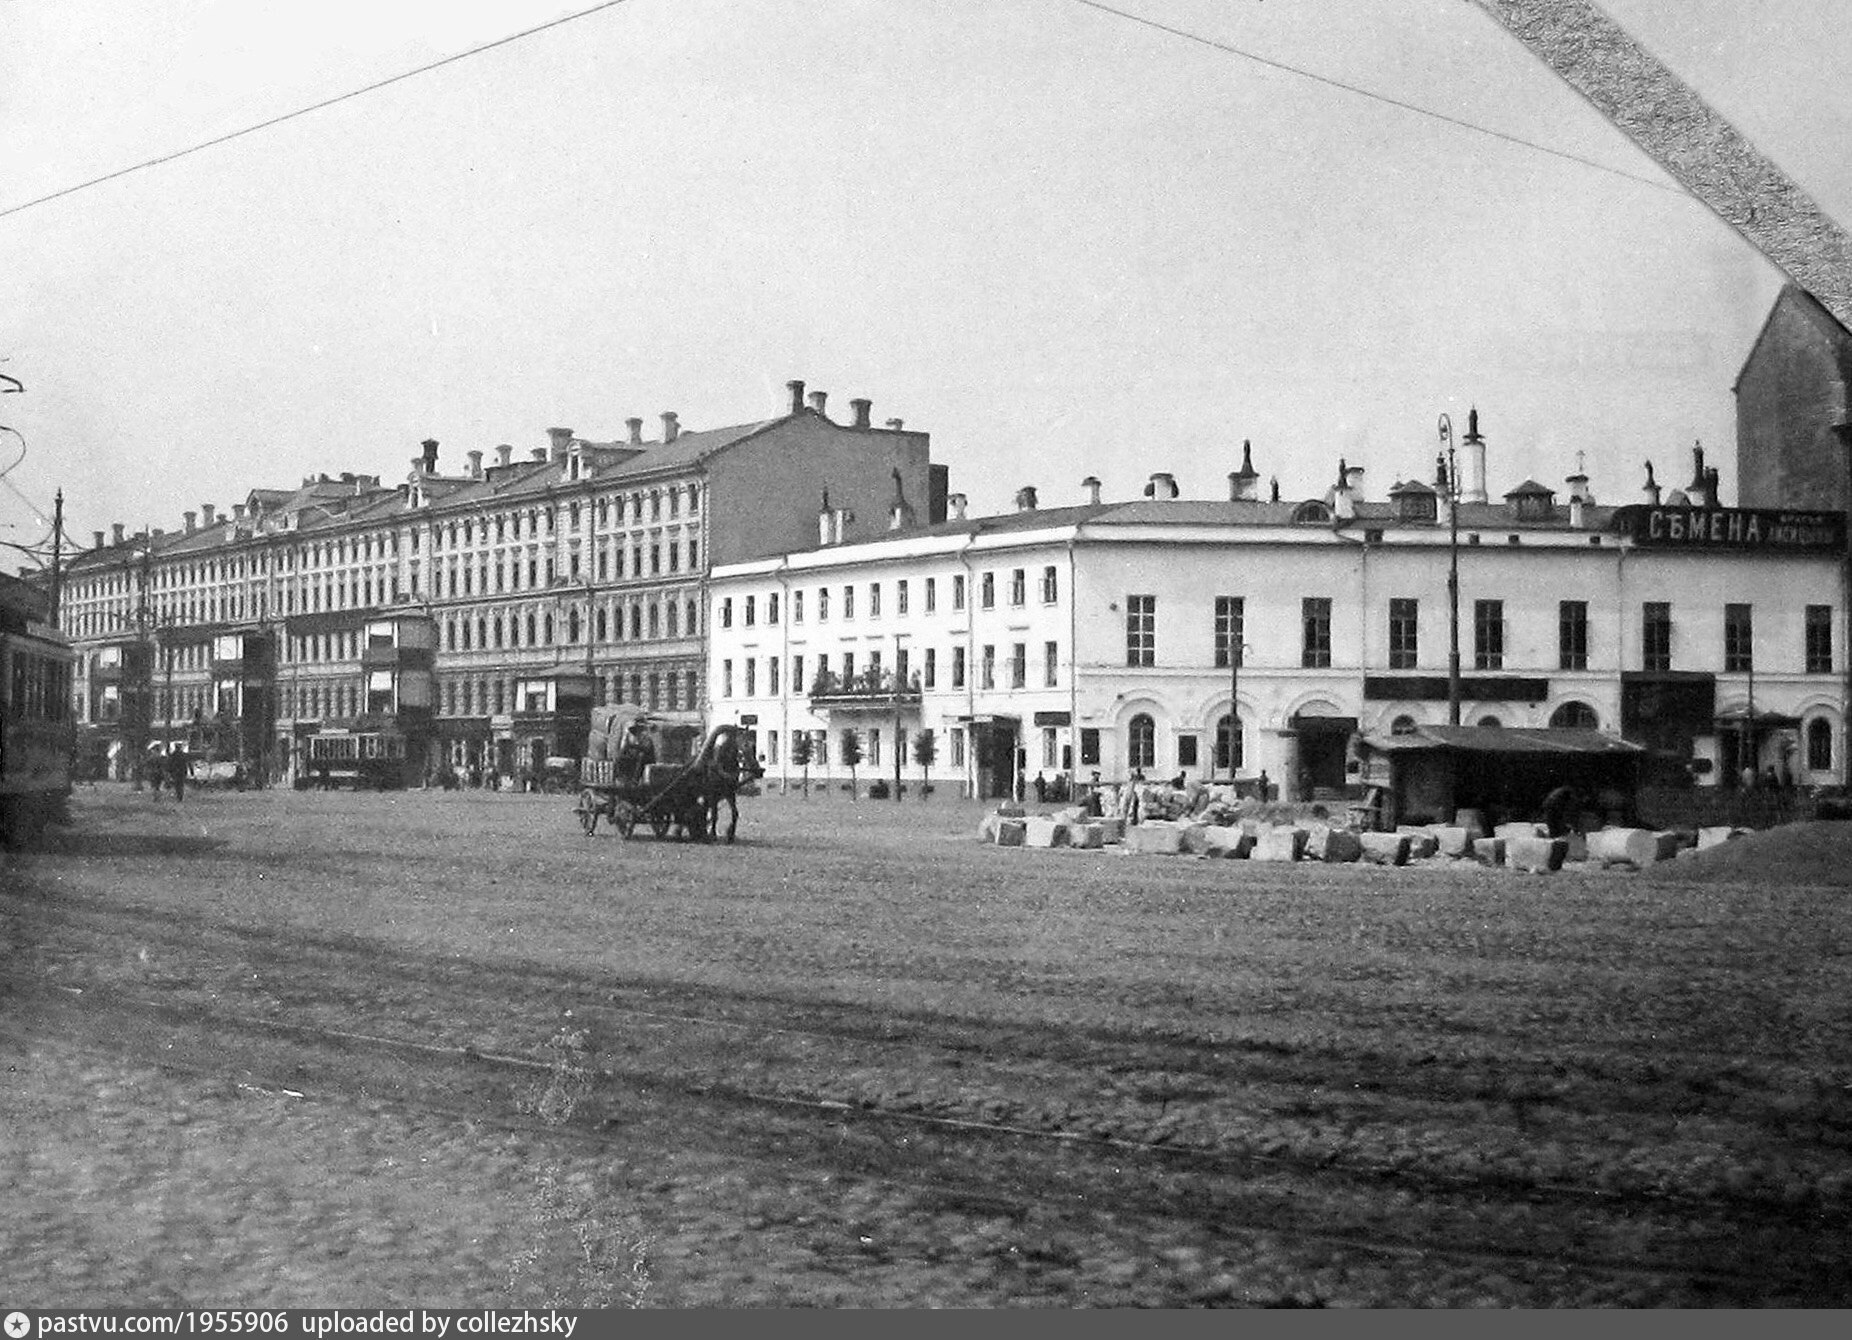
column 174, row 768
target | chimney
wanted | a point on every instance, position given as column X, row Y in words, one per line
column 1713, row 487
column 1092, row 485
column 636, row 431
column 900, row 512
column 796, row 388
column 818, row 399
column 238, row 511
column 1163, row 486
column 205, row 514
column 538, row 454
column 504, row 454
column 157, row 533
column 1025, row 498
column 957, row 503
column 1696, row 487
column 1578, row 482
column 1577, row 511
column 670, row 428
column 475, row 463
column 191, row 518
column 561, row 442
column 862, row 410
column 115, row 530
column 430, row 455
column 1652, row 487
column 1343, row 501
column 894, row 425
column 1475, row 459
column 98, row 536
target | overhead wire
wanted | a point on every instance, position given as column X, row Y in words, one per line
column 312, row 107
column 1301, row 72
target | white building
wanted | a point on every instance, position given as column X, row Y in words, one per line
column 1100, row 637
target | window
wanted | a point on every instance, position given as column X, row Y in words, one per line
column 823, row 604
column 930, row 678
column 1019, row 665
column 1572, row 635
column 1141, row 630
column 771, row 608
column 797, row 674
column 1819, row 745
column 1090, row 746
column 771, row 675
column 932, row 594
column 874, row 600
column 987, row 591
column 1141, row 742
column 874, row 746
column 1222, row 742
column 958, row 748
column 1230, row 626
column 987, row 671
column 1186, row 751
column 1050, row 747
column 797, row 607
column 726, row 612
column 1404, row 632
column 1819, row 639
column 1738, row 639
column 848, row 668
column 726, row 679
column 1051, row 663
column 1575, row 716
column 1019, row 587
column 752, row 686
column 749, row 611
column 958, row 591
column 1656, row 635
column 900, row 669
column 848, row 602
column 1488, row 635
column 1051, row 589
column 958, row 667
column 900, row 596
column 1315, row 632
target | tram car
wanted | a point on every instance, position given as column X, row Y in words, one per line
column 358, row 761
column 37, row 729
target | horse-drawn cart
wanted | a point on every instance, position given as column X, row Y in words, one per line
column 627, row 786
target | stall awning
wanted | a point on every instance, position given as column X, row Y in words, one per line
column 1501, row 740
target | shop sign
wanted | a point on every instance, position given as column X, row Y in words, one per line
column 1732, row 528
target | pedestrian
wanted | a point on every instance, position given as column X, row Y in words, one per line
column 157, row 768
column 1560, row 809
column 179, row 766
column 1041, row 789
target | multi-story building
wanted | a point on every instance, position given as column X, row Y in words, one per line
column 489, row 607
column 1790, row 397
column 1232, row 637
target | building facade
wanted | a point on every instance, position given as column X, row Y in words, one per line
column 486, row 609
column 1790, row 395
column 1167, row 636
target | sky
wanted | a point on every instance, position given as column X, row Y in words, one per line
column 1060, row 242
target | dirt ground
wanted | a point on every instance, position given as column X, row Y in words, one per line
column 441, row 1049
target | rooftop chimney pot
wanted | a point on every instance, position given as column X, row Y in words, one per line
column 538, row 454
column 636, row 431
column 818, row 399
column 894, row 424
column 191, row 519
column 206, row 511
column 98, row 535
column 504, row 454
column 116, row 528
column 560, row 443
column 1025, row 498
column 796, row 388
column 1092, row 485
column 430, row 457
column 670, row 428
column 862, row 408
column 957, row 503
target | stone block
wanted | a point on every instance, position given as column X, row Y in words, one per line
column 1716, row 837
column 1011, row 832
column 1233, row 841
column 1281, row 843
column 1453, row 841
column 987, row 828
column 1666, row 845
column 1489, row 850
column 1473, row 821
column 1334, row 846
column 1011, row 811
column 1040, row 831
column 1194, row 837
column 1577, row 848
column 1421, row 843
column 1510, row 831
column 1155, row 839
column 1386, row 848
column 1087, row 837
column 1623, row 846
column 1537, row 855
column 1112, row 829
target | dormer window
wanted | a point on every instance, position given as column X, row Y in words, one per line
column 1312, row 512
column 1415, row 501
column 1531, row 501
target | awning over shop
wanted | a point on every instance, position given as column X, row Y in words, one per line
column 1501, row 740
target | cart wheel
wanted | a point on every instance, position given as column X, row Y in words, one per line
column 588, row 811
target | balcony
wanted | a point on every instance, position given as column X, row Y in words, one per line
column 870, row 689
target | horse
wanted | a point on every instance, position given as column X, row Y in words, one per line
column 723, row 767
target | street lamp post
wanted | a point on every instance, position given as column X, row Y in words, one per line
column 1453, row 572
column 900, row 687
column 1236, row 650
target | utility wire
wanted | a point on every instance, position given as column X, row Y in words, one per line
column 1361, row 92
column 313, row 107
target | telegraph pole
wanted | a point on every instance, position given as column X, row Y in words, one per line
column 1453, row 573
column 57, row 551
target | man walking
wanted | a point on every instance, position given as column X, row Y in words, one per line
column 179, row 764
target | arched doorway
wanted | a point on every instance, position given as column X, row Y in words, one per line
column 1575, row 716
column 1223, row 739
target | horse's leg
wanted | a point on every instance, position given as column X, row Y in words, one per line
column 733, row 816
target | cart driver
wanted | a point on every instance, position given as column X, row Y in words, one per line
column 638, row 753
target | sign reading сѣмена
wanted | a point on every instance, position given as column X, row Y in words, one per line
column 1731, row 528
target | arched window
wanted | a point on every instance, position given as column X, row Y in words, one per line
column 655, row 621
column 693, row 626
column 1575, row 716
column 1819, row 745
column 602, row 624
column 673, row 611
column 1141, row 742
column 1222, row 743
column 572, row 625
column 1403, row 725
column 533, row 627
column 1492, row 723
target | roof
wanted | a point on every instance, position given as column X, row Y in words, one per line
column 1503, row 740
